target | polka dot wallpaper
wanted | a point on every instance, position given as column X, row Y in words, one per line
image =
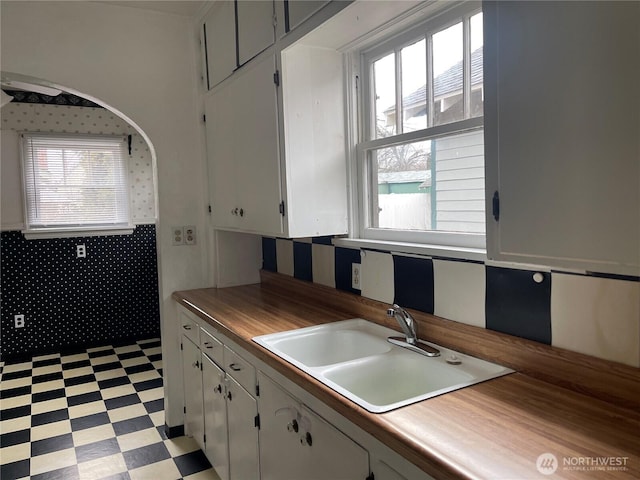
column 111, row 294
column 73, row 119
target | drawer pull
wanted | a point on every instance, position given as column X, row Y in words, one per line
column 235, row 367
column 208, row 344
column 187, row 327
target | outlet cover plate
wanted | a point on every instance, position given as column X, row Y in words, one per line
column 355, row 276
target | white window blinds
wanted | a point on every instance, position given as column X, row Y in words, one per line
column 75, row 181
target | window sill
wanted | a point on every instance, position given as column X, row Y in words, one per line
column 37, row 234
column 441, row 251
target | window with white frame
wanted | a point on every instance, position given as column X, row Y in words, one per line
column 75, row 183
column 421, row 161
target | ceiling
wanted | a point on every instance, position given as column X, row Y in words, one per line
column 187, row 8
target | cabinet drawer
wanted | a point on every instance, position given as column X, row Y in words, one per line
column 189, row 327
column 211, row 346
column 240, row 370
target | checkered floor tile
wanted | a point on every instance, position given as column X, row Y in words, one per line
column 91, row 414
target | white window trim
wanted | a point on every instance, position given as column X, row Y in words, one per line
column 431, row 243
column 104, row 229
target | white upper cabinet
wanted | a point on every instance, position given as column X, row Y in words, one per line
column 562, row 124
column 242, row 150
column 255, row 28
column 219, row 40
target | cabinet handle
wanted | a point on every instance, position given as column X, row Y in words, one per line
column 208, row 345
column 292, row 426
column 235, row 367
column 196, row 364
column 242, row 212
column 229, row 396
column 234, row 211
column 218, row 388
column 306, row 439
column 186, row 327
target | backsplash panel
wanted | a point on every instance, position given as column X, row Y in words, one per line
column 502, row 298
column 517, row 304
column 67, row 301
column 413, row 282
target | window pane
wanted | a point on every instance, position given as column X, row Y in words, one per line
column 414, row 86
column 447, row 75
column 477, row 90
column 75, row 181
column 384, row 91
column 433, row 185
column 400, row 186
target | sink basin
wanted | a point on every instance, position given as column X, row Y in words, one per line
column 327, row 344
column 354, row 358
column 388, row 380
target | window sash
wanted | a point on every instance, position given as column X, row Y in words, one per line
column 367, row 191
column 75, row 181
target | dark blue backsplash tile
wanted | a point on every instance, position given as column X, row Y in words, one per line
column 326, row 240
column 344, row 258
column 413, row 282
column 517, row 305
column 269, row 260
column 302, row 261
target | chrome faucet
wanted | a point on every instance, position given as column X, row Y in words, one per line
column 406, row 322
column 408, row 325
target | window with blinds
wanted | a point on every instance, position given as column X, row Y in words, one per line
column 75, row 182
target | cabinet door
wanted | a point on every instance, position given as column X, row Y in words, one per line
column 243, row 151
column 333, row 454
column 243, row 432
column 219, row 31
column 257, row 152
column 300, row 10
column 215, row 417
column 223, row 183
column 281, row 457
column 194, row 417
column 296, row 443
column 561, row 127
column 255, row 28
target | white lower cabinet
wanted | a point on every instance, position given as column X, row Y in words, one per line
column 215, row 417
column 194, row 412
column 296, row 443
column 242, row 418
column 252, row 427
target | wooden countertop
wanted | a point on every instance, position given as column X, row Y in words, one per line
column 493, row 430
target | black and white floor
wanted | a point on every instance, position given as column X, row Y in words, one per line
column 91, row 414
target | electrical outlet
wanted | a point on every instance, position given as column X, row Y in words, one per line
column 81, row 251
column 355, row 276
column 177, row 236
column 19, row 320
column 189, row 235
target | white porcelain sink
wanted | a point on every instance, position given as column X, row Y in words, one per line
column 327, row 344
column 354, row 358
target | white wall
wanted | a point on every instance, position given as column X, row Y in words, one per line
column 142, row 64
